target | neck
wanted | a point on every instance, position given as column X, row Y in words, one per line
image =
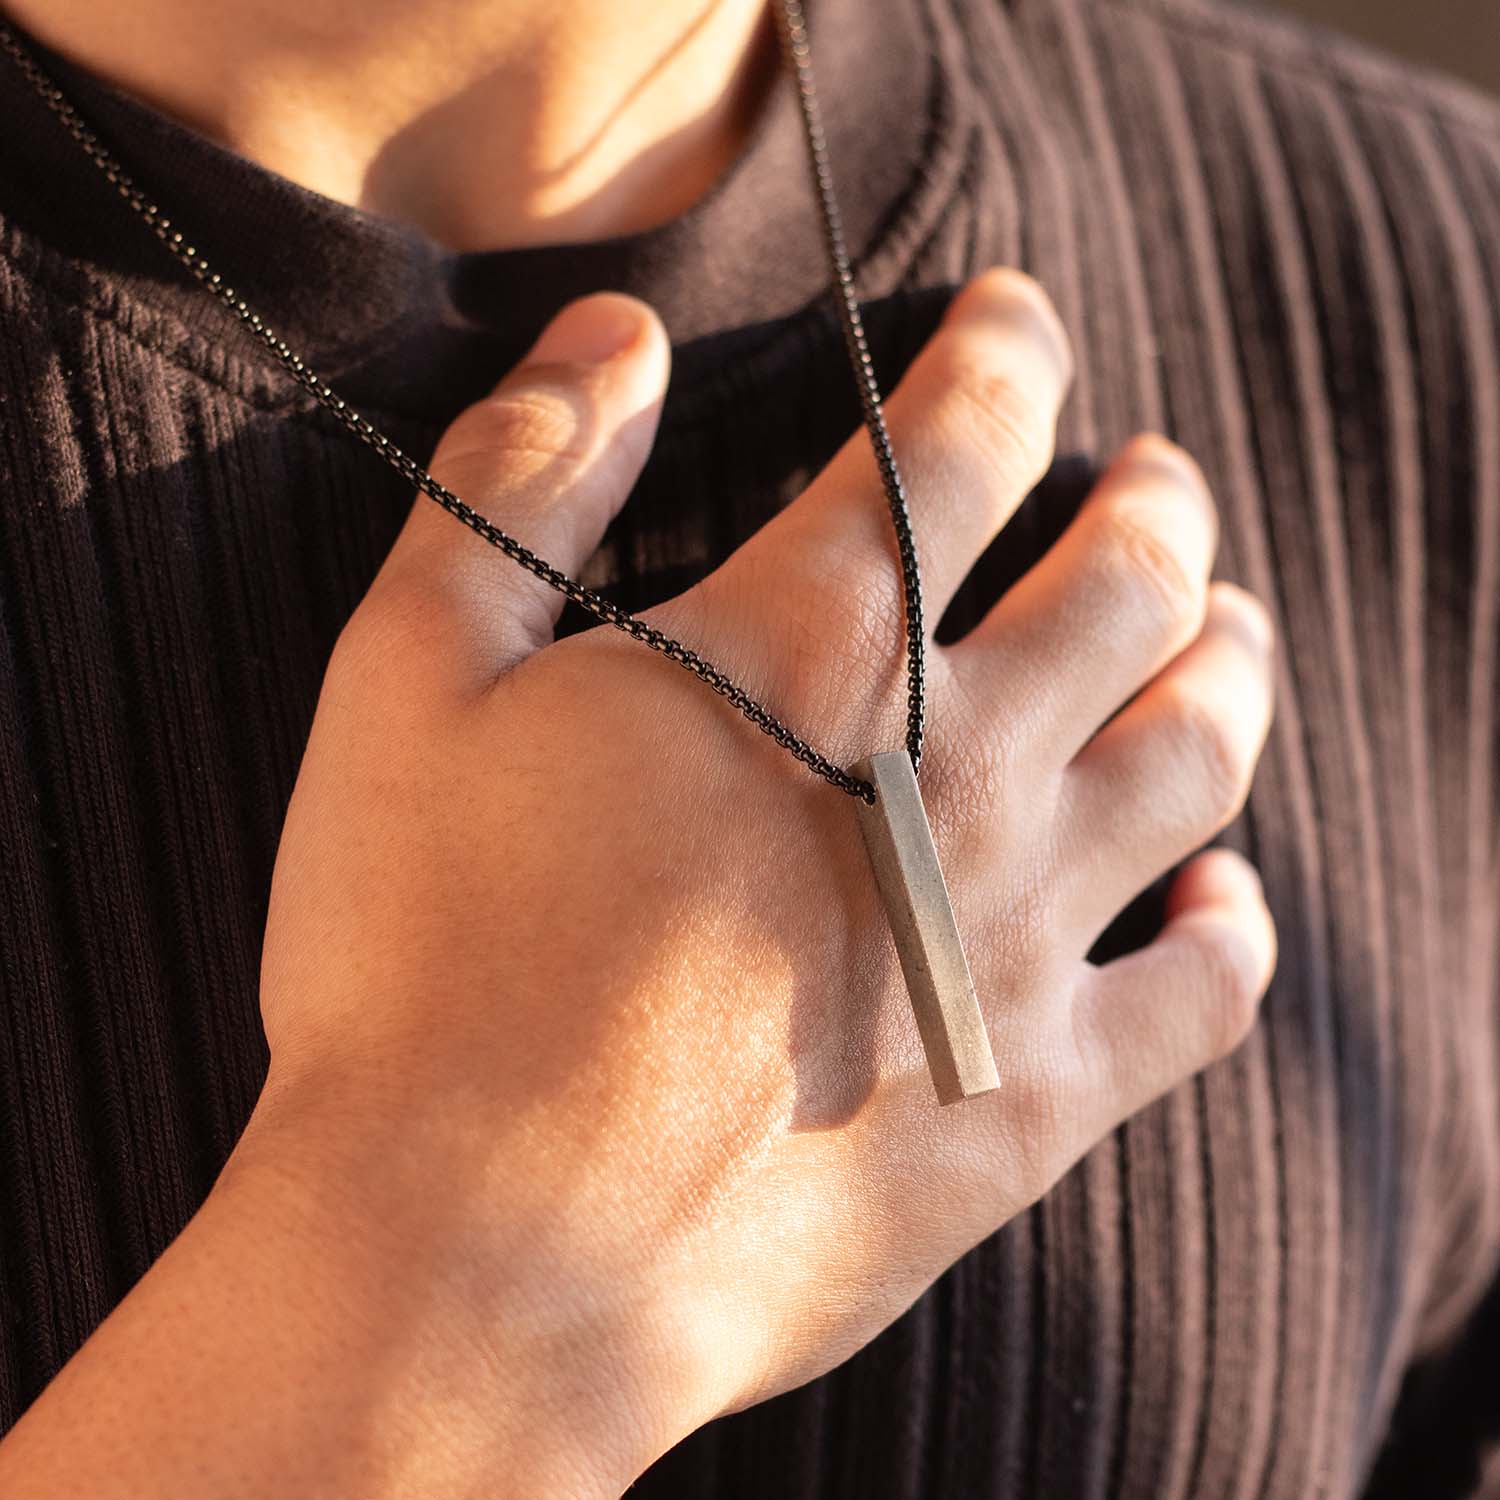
column 487, row 123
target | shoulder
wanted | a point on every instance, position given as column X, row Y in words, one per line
column 1397, row 164
column 1217, row 76
column 1383, row 172
column 1217, row 36
column 1315, row 172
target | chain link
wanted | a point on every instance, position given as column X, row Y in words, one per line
column 792, row 28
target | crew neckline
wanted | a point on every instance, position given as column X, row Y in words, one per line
column 365, row 298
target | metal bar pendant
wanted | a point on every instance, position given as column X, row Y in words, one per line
column 911, row 883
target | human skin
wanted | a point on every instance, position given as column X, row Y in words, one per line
column 487, row 123
column 595, row 1104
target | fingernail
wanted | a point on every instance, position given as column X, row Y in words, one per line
column 589, row 331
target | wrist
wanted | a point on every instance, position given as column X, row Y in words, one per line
column 472, row 1332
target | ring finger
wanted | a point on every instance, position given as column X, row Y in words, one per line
column 1173, row 767
column 1114, row 600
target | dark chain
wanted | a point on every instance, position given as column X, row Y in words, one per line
column 793, row 30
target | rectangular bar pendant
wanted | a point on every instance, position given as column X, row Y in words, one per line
column 911, row 883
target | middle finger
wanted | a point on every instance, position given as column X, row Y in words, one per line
column 972, row 424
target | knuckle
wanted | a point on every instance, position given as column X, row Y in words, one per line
column 969, row 780
column 1045, row 1111
column 1044, row 1119
column 350, row 652
column 1154, row 451
column 874, row 613
column 1247, row 613
column 1014, row 428
column 1019, row 933
column 1232, row 987
column 861, row 619
column 381, row 639
column 359, row 664
column 1148, row 569
column 1220, row 763
column 837, row 641
column 1040, row 1070
column 365, row 638
column 538, row 422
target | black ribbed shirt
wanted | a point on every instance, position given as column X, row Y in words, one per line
column 1281, row 249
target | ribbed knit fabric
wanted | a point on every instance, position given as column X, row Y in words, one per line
column 1282, row 250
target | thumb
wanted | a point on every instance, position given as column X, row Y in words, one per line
column 549, row 456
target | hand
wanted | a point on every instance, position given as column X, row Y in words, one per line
column 580, row 997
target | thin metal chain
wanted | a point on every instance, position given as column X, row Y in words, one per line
column 793, row 28
column 793, row 31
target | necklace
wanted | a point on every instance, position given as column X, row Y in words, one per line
column 891, row 815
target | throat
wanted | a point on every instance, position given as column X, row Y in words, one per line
column 488, row 124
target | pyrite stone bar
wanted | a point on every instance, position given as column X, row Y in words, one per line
column 911, row 883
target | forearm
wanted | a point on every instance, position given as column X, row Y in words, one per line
column 288, row 1343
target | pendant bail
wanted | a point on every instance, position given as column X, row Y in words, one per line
column 920, row 911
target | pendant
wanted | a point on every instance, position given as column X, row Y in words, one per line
column 920, row 912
